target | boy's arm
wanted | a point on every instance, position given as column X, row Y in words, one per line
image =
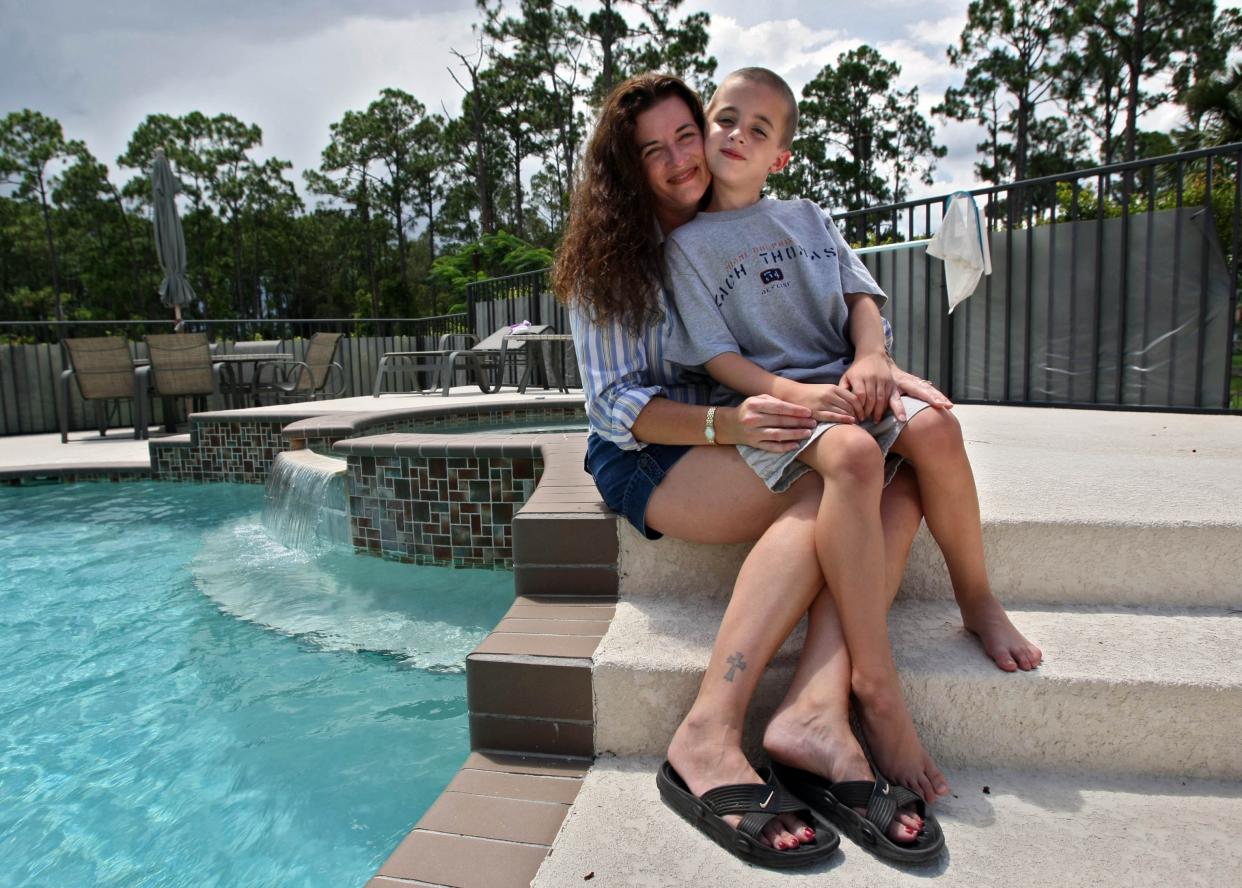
column 828, row 403
column 870, row 374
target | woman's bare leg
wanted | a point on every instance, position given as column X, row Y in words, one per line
column 810, row 729
column 712, row 496
column 851, row 547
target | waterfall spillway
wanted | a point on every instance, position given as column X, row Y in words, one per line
column 305, row 504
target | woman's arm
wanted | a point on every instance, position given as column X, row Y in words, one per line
column 626, row 403
column 761, row 421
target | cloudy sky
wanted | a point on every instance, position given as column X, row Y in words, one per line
column 294, row 66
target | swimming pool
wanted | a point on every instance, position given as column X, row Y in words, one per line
column 185, row 702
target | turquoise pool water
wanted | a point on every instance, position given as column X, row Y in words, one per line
column 185, row 702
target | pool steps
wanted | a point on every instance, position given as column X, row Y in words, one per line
column 1114, row 540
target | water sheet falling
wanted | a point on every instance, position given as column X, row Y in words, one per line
column 305, row 505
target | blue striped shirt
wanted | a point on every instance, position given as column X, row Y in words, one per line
column 621, row 373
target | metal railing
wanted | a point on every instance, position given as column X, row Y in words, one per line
column 32, row 358
column 1113, row 287
column 503, row 301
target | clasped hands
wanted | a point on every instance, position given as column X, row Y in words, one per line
column 872, row 385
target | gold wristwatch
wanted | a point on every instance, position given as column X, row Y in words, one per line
column 709, row 429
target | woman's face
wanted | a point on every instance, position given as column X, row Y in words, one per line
column 670, row 147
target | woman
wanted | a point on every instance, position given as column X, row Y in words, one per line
column 652, row 455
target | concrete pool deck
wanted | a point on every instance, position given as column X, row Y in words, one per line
column 1116, row 538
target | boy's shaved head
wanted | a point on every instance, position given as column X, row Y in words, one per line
column 773, row 81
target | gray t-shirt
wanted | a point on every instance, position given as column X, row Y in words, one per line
column 767, row 282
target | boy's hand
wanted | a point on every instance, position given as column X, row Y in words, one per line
column 870, row 379
column 830, row 403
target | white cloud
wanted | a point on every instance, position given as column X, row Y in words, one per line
column 104, row 83
column 787, row 46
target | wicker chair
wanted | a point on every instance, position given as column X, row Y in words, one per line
column 307, row 379
column 104, row 370
column 181, row 367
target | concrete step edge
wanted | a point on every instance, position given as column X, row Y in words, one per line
column 1027, row 828
column 1121, row 691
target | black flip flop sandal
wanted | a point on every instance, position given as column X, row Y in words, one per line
column 759, row 803
column 835, row 803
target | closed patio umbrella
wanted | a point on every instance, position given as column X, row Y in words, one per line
column 175, row 289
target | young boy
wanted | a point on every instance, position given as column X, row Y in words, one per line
column 769, row 298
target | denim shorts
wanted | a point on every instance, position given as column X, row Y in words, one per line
column 627, row 478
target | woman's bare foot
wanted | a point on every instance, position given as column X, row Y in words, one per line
column 985, row 617
column 811, row 742
column 707, row 755
column 893, row 739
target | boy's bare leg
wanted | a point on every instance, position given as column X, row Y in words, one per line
column 933, row 442
column 849, row 539
column 810, row 729
column 711, row 495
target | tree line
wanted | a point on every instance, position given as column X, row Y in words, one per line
column 409, row 203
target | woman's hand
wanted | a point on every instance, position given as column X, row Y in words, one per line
column 765, row 422
column 909, row 384
column 870, row 378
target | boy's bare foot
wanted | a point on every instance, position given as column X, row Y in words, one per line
column 705, row 756
column 894, row 742
column 805, row 740
column 986, row 619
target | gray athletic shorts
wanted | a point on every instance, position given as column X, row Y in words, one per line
column 779, row 470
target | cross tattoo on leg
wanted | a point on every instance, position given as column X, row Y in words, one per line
column 736, row 662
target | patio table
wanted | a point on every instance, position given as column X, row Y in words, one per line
column 538, row 357
column 237, row 391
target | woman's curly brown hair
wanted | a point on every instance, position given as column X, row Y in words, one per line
column 609, row 259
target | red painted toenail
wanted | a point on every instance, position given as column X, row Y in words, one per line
column 809, row 833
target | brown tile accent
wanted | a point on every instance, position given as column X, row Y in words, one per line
column 500, row 784
column 519, row 763
column 539, row 645
column 576, row 580
column 529, row 626
column 536, row 735
column 555, row 539
column 514, row 820
column 526, row 608
column 500, row 685
column 463, row 862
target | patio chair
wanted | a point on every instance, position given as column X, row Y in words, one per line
column 181, row 367
column 307, row 379
column 104, row 370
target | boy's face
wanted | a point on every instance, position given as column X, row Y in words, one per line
column 745, row 134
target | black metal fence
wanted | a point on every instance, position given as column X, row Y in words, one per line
column 504, row 301
column 31, row 356
column 1114, row 287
